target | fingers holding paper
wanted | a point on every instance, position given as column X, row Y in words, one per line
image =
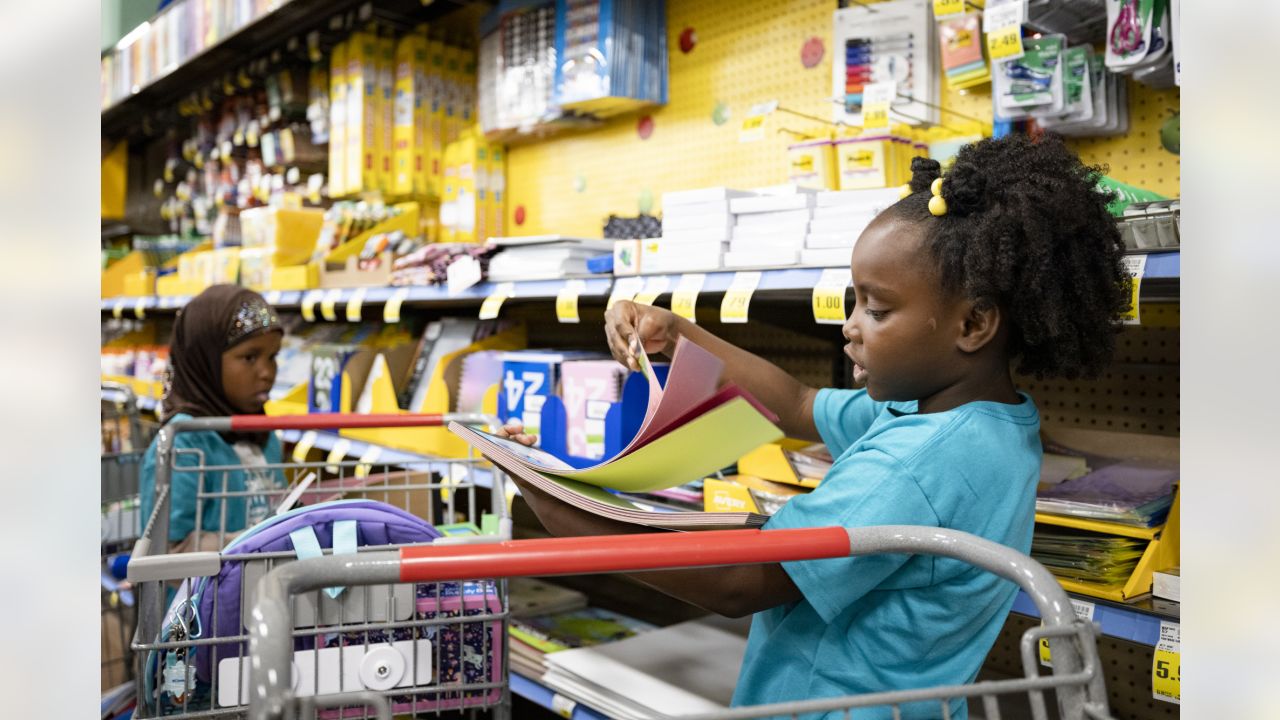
column 627, row 324
column 514, row 430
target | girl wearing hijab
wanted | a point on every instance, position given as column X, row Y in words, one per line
column 222, row 361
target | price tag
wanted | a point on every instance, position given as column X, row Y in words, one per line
column 876, row 99
column 305, row 443
column 653, row 287
column 391, row 311
column 1003, row 25
column 685, row 299
column 328, row 304
column 140, row 308
column 355, row 304
column 562, row 705
column 493, row 304
column 947, row 8
column 339, row 453
column 753, row 125
column 273, row 297
column 1084, row 611
column 624, row 289
column 462, row 274
column 567, row 301
column 1166, row 664
column 309, row 305
column 1136, row 266
column 737, row 299
column 117, row 310
column 828, row 297
column 367, row 460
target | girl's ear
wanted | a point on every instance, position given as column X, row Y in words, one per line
column 981, row 324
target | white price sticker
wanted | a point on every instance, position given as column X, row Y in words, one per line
column 273, row 297
column 462, row 274
column 367, row 460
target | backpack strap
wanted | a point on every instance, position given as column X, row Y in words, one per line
column 306, row 545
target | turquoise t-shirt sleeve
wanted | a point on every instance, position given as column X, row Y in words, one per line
column 182, row 494
column 867, row 488
column 843, row 416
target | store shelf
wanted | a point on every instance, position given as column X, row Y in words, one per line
column 1139, row 622
column 356, row 449
column 1160, row 284
column 539, row 694
column 294, row 19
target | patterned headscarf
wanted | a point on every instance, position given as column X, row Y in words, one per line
column 215, row 321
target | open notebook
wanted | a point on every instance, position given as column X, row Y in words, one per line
column 691, row 429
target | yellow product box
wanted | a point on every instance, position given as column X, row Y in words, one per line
column 256, row 265
column 115, row 275
column 744, row 493
column 449, row 201
column 409, row 123
column 863, row 163
column 224, row 266
column 497, row 184
column 770, row 462
column 338, row 120
column 141, row 283
column 362, row 112
column 287, row 234
column 812, row 164
column 385, row 132
column 452, row 92
column 434, row 89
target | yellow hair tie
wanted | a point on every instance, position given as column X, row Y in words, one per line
column 937, row 205
column 904, row 191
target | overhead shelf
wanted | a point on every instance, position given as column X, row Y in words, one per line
column 1160, row 284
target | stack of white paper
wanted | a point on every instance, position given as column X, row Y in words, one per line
column 769, row 230
column 683, row 669
column 543, row 257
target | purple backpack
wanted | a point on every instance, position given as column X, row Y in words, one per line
column 212, row 608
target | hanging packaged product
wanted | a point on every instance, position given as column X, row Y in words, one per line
column 1137, row 33
column 812, row 164
column 1032, row 84
column 960, row 41
column 892, row 42
column 611, row 56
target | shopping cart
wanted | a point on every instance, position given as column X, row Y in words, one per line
column 1076, row 681
column 125, row 437
column 451, row 634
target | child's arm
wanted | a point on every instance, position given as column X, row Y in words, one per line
column 734, row 591
column 659, row 329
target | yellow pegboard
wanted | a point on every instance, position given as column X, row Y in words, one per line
column 748, row 53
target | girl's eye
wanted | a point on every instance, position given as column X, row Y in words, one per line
column 877, row 314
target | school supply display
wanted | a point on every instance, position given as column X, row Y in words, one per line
column 611, row 57
column 543, row 257
column 963, row 62
column 1123, row 492
column 1106, row 560
column 517, row 66
column 533, row 637
column 211, row 607
column 529, row 377
column 683, row 669
column 892, row 42
column 1066, row 89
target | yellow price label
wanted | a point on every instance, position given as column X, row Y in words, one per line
column 1084, row 611
column 567, row 301
column 1166, row 664
column 328, row 304
column 355, row 304
column 367, row 460
column 685, row 299
column 828, row 297
column 117, row 310
column 140, row 308
column 391, row 311
column 737, row 299
column 947, row 8
column 1136, row 267
column 876, row 99
column 752, row 129
column 336, row 455
column 875, row 116
column 305, row 443
column 492, row 305
column 1005, row 43
column 309, row 306
column 653, row 287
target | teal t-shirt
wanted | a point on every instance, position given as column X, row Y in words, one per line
column 207, row 449
column 896, row 622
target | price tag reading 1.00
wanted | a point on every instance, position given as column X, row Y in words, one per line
column 737, row 299
column 828, row 297
column 1166, row 664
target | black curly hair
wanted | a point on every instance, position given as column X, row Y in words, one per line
column 1027, row 228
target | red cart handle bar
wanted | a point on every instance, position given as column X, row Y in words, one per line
column 620, row 553
column 337, row 421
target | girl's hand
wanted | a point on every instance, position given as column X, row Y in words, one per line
column 656, row 329
column 514, row 430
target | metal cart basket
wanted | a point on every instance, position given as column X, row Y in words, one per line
column 192, row 663
column 1076, row 682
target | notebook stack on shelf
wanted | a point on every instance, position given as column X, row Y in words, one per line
column 543, row 257
column 696, row 228
column 1088, row 557
column 838, row 219
column 769, row 230
column 1124, row 493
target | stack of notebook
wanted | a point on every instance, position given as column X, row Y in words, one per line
column 1125, row 493
column 543, row 257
